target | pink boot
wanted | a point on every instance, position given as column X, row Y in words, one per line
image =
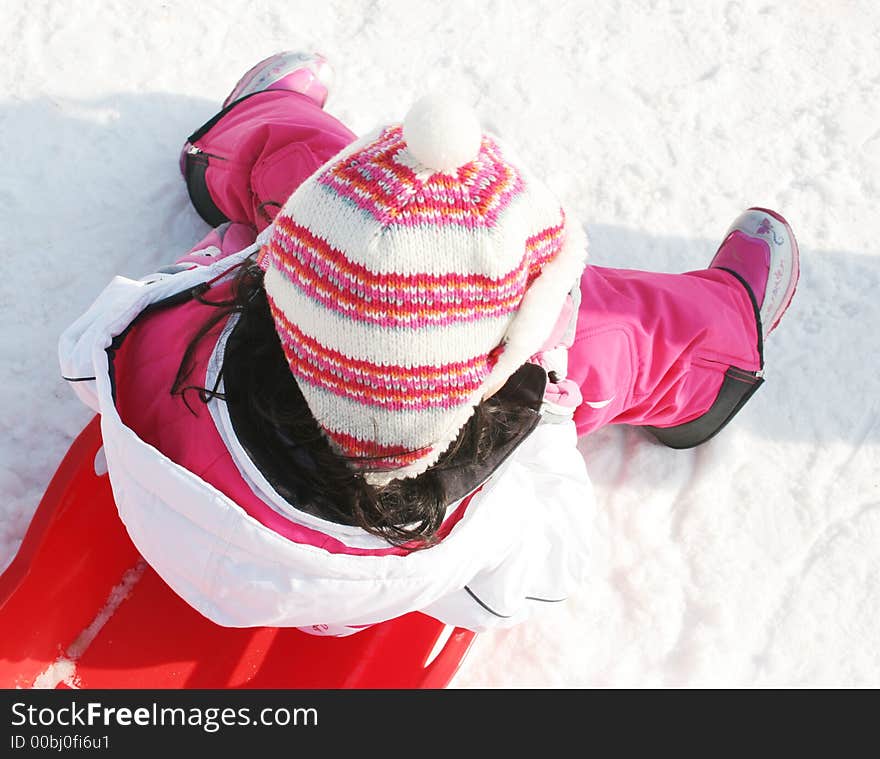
column 308, row 74
column 680, row 354
column 759, row 250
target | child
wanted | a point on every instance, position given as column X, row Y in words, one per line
column 360, row 395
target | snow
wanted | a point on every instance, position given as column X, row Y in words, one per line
column 63, row 669
column 752, row 561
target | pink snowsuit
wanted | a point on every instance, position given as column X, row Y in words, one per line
column 653, row 350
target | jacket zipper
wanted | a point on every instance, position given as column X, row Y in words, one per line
column 195, row 152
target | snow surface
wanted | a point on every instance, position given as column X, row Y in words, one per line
column 751, row 561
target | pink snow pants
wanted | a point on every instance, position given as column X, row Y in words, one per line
column 676, row 353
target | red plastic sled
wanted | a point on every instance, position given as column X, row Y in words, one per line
column 80, row 608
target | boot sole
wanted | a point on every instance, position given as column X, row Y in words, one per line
column 794, row 277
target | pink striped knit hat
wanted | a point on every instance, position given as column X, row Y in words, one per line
column 409, row 277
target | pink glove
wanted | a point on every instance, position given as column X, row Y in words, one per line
column 220, row 242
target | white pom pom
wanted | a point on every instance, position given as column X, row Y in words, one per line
column 442, row 133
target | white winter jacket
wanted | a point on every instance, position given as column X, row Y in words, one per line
column 521, row 544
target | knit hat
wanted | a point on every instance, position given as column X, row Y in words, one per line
column 409, row 277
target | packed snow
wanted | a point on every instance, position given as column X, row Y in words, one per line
column 752, row 561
